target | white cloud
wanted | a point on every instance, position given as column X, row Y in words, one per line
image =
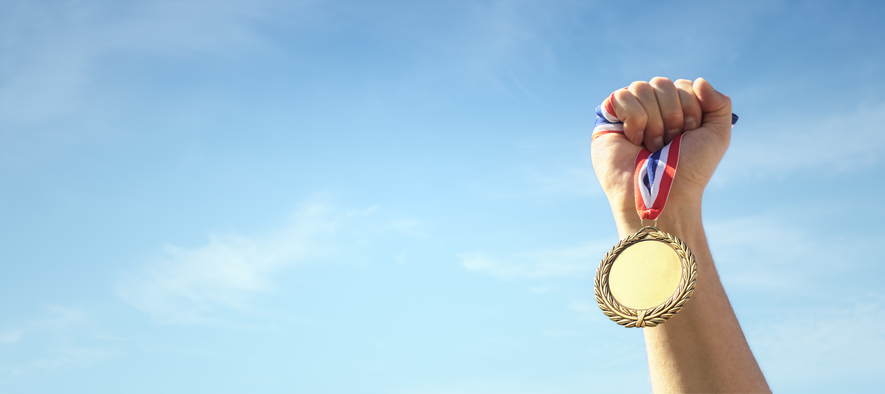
column 63, row 358
column 809, row 346
column 493, row 46
column 59, row 340
column 648, row 55
column 51, row 49
column 542, row 263
column 573, row 180
column 493, row 386
column 10, row 336
column 620, row 377
column 809, row 297
column 831, row 145
column 775, row 253
column 509, row 33
column 194, row 285
column 183, row 285
column 411, row 227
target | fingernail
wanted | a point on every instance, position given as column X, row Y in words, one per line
column 658, row 144
column 690, row 123
column 638, row 139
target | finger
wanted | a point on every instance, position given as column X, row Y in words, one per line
column 712, row 102
column 654, row 127
column 691, row 107
column 630, row 111
column 716, row 107
column 671, row 109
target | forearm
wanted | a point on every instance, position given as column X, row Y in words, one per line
column 702, row 348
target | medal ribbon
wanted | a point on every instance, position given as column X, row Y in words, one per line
column 654, row 172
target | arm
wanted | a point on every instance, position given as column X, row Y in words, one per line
column 702, row 348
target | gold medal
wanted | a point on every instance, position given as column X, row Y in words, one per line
column 645, row 279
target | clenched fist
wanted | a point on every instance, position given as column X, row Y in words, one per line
column 654, row 113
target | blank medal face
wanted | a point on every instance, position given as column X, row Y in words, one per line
column 645, row 275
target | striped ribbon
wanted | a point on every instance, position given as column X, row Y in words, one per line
column 654, row 172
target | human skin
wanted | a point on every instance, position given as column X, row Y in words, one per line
column 702, row 348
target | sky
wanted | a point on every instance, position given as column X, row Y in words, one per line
column 397, row 196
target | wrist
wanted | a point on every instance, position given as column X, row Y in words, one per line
column 682, row 220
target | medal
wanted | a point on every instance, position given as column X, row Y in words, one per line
column 648, row 276
column 645, row 279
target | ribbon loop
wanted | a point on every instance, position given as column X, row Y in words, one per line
column 653, row 177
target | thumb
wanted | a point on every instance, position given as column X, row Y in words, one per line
column 710, row 99
column 715, row 106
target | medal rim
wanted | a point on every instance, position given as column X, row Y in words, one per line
column 649, row 317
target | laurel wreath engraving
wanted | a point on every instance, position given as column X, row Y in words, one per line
column 651, row 317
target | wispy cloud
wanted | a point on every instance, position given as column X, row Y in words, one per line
column 771, row 252
column 829, row 145
column 825, row 344
column 573, row 180
column 52, row 50
column 192, row 285
column 537, row 264
column 62, row 338
column 184, row 285
column 648, row 55
column 495, row 47
column 508, row 34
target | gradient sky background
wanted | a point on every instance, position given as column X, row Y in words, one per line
column 397, row 196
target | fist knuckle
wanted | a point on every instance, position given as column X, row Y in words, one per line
column 654, row 129
column 639, row 120
column 684, row 84
column 641, row 86
column 660, row 81
column 622, row 94
column 672, row 117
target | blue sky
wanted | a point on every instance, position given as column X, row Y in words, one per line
column 397, row 197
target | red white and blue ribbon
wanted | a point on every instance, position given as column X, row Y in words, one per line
column 653, row 177
column 606, row 121
column 654, row 172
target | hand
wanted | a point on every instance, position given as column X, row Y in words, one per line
column 654, row 113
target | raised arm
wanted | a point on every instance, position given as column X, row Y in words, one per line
column 702, row 348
